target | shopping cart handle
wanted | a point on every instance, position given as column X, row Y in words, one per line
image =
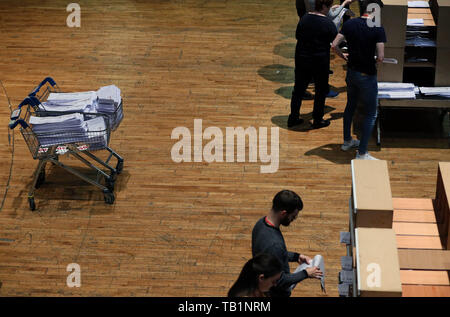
column 14, row 123
column 46, row 80
column 32, row 101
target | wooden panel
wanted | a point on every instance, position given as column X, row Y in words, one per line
column 412, row 203
column 418, row 242
column 410, row 215
column 417, row 229
column 425, row 291
column 424, row 277
column 424, row 259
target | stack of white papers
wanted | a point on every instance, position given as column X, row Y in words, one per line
column 70, row 102
column 106, row 100
column 414, row 22
column 387, row 90
column 97, row 135
column 70, row 128
column 418, row 4
column 436, row 91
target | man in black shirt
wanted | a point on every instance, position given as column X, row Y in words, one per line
column 364, row 42
column 315, row 32
column 267, row 238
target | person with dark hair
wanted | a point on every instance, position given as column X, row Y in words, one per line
column 257, row 277
column 364, row 41
column 315, row 31
column 267, row 238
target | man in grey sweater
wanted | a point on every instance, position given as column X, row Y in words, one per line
column 267, row 238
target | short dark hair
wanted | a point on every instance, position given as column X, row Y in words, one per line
column 287, row 200
column 365, row 4
column 319, row 3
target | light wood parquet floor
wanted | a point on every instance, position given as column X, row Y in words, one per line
column 176, row 229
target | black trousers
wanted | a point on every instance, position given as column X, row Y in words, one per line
column 306, row 69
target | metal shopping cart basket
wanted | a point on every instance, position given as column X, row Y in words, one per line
column 39, row 95
column 49, row 145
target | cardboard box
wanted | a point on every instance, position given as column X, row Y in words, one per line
column 442, row 75
column 441, row 202
column 392, row 72
column 371, row 194
column 377, row 264
column 393, row 18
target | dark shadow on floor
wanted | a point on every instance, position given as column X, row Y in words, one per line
column 281, row 121
column 288, row 30
column 277, row 73
column 286, row 50
column 333, row 153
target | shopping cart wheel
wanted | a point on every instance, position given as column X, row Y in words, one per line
column 31, row 203
column 109, row 197
column 41, row 179
column 119, row 166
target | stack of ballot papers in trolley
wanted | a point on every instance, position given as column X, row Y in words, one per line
column 106, row 100
column 387, row 90
column 69, row 128
column 70, row 102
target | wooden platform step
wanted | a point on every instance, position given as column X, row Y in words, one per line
column 424, row 259
column 415, row 229
column 412, row 203
column 418, row 277
column 425, row 291
column 418, row 242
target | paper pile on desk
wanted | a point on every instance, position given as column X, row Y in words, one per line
column 387, row 90
column 436, row 91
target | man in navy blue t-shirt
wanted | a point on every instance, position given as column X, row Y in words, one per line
column 365, row 48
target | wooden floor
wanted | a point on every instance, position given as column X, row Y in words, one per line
column 176, row 229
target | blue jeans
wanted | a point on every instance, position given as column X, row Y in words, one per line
column 365, row 88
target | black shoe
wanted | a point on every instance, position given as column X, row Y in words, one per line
column 321, row 124
column 308, row 96
column 294, row 122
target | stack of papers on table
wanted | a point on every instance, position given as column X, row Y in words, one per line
column 418, row 4
column 414, row 22
column 387, row 90
column 436, row 91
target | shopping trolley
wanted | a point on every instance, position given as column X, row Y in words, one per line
column 48, row 146
column 40, row 94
